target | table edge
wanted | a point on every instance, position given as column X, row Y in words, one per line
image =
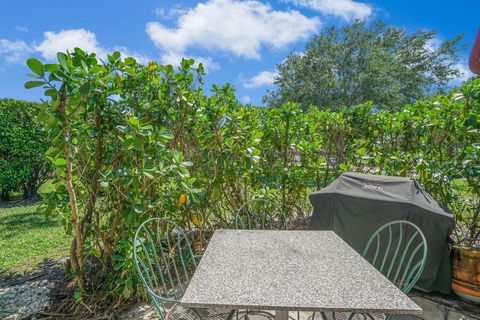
column 293, row 309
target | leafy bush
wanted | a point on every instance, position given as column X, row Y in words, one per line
column 113, row 166
column 22, row 144
column 131, row 142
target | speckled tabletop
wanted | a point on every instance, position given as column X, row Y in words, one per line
column 290, row 270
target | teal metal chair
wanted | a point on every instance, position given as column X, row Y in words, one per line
column 398, row 250
column 165, row 263
column 261, row 214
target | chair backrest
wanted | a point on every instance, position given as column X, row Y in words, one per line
column 164, row 260
column 260, row 214
column 398, row 249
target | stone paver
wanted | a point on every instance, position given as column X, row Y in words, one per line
column 431, row 311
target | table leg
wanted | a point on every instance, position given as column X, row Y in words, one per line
column 281, row 315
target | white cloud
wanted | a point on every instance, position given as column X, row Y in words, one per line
column 240, row 28
column 160, row 12
column 433, row 44
column 246, row 99
column 174, row 11
column 21, row 29
column 346, row 9
column 53, row 42
column 68, row 40
column 14, row 51
column 174, row 59
column 264, row 78
column 86, row 40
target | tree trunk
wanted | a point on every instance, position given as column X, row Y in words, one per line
column 5, row 195
column 30, row 190
column 93, row 195
column 77, row 246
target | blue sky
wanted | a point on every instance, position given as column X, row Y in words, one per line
column 240, row 42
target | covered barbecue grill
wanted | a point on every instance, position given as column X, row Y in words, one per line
column 356, row 205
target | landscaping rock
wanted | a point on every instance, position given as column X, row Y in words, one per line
column 24, row 297
column 25, row 300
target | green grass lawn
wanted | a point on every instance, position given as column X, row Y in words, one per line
column 27, row 238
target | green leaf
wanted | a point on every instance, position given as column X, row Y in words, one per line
column 51, row 67
column 36, row 76
column 116, row 55
column 36, row 66
column 129, row 61
column 60, row 162
column 167, row 136
column 77, row 295
column 62, row 59
column 51, row 93
column 138, row 208
column 33, row 84
column 84, row 88
column 127, row 292
column 134, row 121
column 148, row 175
column 118, row 257
column 122, row 129
column 96, row 252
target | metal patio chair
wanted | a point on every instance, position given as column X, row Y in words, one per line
column 398, row 250
column 261, row 214
column 165, row 263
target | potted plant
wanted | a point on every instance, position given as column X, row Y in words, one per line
column 466, row 265
column 466, row 256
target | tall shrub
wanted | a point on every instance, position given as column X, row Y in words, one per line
column 113, row 159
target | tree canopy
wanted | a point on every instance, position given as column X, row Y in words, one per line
column 362, row 62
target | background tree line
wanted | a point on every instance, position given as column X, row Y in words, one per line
column 366, row 61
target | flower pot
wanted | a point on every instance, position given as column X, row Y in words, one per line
column 466, row 273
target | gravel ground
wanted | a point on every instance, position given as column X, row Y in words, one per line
column 26, row 300
column 25, row 297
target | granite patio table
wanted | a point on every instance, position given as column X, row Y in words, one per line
column 290, row 271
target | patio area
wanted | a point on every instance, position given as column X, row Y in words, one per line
column 435, row 307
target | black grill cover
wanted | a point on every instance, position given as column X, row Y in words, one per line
column 356, row 205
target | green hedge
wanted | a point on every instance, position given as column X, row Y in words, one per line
column 130, row 142
column 22, row 145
